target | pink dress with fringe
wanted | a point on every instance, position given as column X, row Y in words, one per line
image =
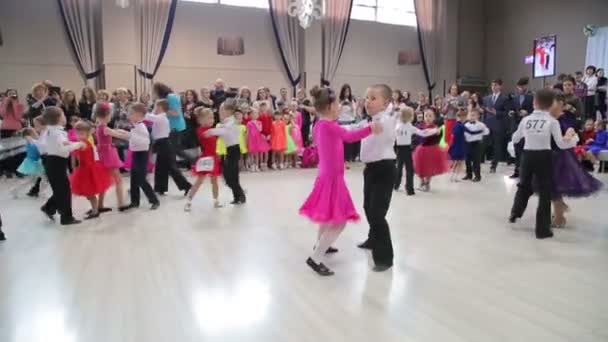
column 330, row 201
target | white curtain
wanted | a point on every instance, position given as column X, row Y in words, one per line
column 431, row 19
column 597, row 49
column 82, row 23
column 154, row 24
column 334, row 30
column 288, row 35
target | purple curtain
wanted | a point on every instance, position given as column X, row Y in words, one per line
column 334, row 30
column 431, row 19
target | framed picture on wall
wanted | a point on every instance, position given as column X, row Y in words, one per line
column 545, row 54
column 230, row 46
column 409, row 57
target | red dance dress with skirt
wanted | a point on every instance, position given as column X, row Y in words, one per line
column 330, row 201
column 429, row 158
column 209, row 147
column 89, row 178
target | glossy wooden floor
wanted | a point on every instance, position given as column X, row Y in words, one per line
column 238, row 274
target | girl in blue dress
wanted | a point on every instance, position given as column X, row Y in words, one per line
column 31, row 167
column 458, row 148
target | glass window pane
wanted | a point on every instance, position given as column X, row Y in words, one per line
column 204, row 1
column 363, row 13
column 370, row 3
column 391, row 16
column 401, row 5
column 246, row 3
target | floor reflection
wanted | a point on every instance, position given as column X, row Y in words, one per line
column 223, row 310
column 47, row 324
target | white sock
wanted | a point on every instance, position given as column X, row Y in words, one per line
column 328, row 237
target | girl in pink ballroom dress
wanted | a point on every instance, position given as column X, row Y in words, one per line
column 329, row 203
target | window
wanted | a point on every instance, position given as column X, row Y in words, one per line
column 240, row 3
column 395, row 12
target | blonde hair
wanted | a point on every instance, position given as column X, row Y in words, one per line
column 37, row 86
column 202, row 112
column 407, row 114
column 384, row 89
column 104, row 93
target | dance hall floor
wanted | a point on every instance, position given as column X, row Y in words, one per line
column 462, row 273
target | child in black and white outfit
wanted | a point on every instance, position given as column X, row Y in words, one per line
column 139, row 144
column 404, row 134
column 474, row 144
column 57, row 149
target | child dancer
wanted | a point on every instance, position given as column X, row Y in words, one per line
column 230, row 134
column 404, row 133
column 32, row 164
column 108, row 155
column 58, row 148
column 89, row 178
column 208, row 164
column 238, row 116
column 279, row 141
column 266, row 120
column 40, row 129
column 474, row 144
column 378, row 154
column 165, row 151
column 256, row 143
column 2, row 236
column 329, row 204
column 536, row 163
column 290, row 148
column 458, row 147
column 430, row 159
column 570, row 179
column 139, row 144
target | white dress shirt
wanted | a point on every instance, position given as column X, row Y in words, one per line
column 405, row 131
column 139, row 138
column 56, row 142
column 538, row 128
column 41, row 142
column 377, row 147
column 475, row 127
column 591, row 82
column 229, row 132
column 160, row 127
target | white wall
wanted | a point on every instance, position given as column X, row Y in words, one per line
column 35, row 47
column 513, row 25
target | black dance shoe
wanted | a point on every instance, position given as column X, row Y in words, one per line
column 91, row 216
column 155, row 206
column 544, row 235
column 365, row 245
column 48, row 213
column 514, row 175
column 70, row 221
column 321, row 269
column 513, row 218
column 128, row 207
column 467, row 178
column 2, row 236
column 476, row 180
column 381, row 267
column 331, row 250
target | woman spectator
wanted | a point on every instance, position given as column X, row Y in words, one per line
column 423, row 102
column 191, row 102
column 38, row 100
column 177, row 122
column 147, row 101
column 120, row 116
column 11, row 112
column 308, row 113
column 453, row 102
column 86, row 103
column 205, row 99
column 102, row 96
column 264, row 96
column 69, row 106
column 573, row 103
column 602, row 84
column 591, row 81
column 407, row 99
column 347, row 115
column 244, row 97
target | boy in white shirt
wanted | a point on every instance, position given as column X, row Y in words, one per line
column 139, row 144
column 474, row 144
column 536, row 163
column 165, row 151
column 57, row 149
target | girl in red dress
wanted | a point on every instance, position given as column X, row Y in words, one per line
column 89, row 178
column 208, row 164
column 429, row 158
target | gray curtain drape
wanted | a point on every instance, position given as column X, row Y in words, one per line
column 82, row 24
column 431, row 19
column 334, row 30
column 288, row 36
column 154, row 24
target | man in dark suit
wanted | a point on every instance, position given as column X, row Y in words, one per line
column 496, row 108
column 218, row 96
column 523, row 104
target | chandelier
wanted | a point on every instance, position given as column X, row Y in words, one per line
column 306, row 11
column 122, row 3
